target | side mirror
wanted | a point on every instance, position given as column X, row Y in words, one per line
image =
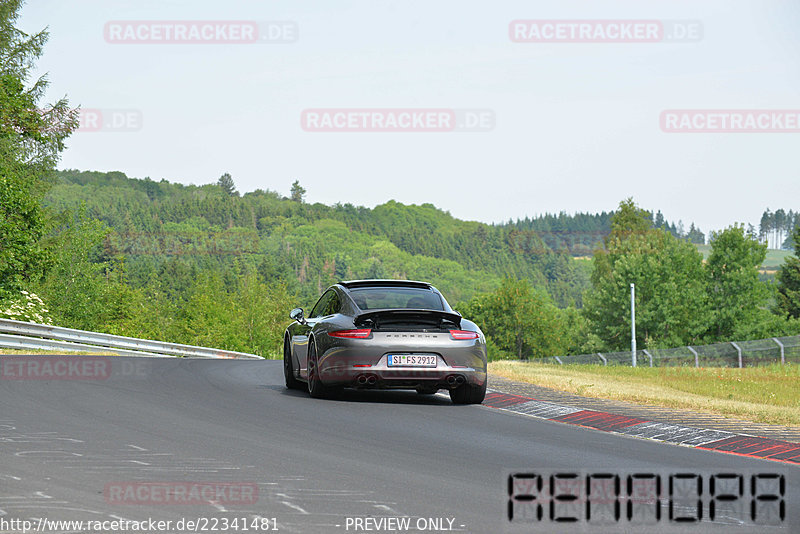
column 297, row 315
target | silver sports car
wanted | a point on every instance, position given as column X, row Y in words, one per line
column 387, row 334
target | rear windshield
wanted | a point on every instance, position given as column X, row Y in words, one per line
column 378, row 298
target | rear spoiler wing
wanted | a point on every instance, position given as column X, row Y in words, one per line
column 433, row 316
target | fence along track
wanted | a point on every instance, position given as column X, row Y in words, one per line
column 732, row 354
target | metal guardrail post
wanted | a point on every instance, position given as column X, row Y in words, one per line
column 649, row 356
column 633, row 324
column 739, row 350
column 605, row 362
column 783, row 351
column 696, row 356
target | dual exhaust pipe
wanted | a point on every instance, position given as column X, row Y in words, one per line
column 371, row 380
column 367, row 380
column 455, row 380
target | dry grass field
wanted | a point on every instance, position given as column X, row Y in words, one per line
column 769, row 394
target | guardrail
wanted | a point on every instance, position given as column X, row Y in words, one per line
column 731, row 354
column 22, row 335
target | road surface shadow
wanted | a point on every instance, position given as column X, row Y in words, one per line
column 371, row 395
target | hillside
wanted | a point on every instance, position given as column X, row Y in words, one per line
column 207, row 266
column 162, row 227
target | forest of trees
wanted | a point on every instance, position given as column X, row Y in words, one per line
column 776, row 228
column 160, row 226
column 580, row 234
column 176, row 262
column 207, row 265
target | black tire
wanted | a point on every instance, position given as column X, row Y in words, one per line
column 288, row 371
column 315, row 386
column 427, row 391
column 468, row 394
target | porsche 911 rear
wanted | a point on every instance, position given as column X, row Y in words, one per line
column 408, row 349
column 386, row 334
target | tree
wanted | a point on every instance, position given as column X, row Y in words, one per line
column 695, row 235
column 659, row 220
column 84, row 289
column 670, row 285
column 780, row 226
column 629, row 219
column 788, row 277
column 736, row 294
column 765, row 225
column 31, row 138
column 298, row 192
column 520, row 320
column 226, row 183
column 792, row 220
column 250, row 316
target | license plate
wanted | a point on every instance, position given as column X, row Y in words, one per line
column 411, row 360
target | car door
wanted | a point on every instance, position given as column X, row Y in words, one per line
column 302, row 331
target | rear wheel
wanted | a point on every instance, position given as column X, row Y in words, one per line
column 288, row 369
column 468, row 394
column 315, row 386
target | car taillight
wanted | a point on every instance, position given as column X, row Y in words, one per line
column 360, row 333
column 463, row 334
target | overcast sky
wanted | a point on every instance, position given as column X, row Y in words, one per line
column 572, row 126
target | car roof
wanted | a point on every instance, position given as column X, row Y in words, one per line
column 354, row 284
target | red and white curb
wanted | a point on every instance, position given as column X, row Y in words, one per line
column 715, row 440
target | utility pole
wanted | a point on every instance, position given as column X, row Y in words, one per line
column 633, row 325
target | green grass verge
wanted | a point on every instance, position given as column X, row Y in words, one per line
column 773, row 261
column 769, row 394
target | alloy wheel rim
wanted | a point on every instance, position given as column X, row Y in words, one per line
column 311, row 368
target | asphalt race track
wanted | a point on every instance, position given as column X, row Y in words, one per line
column 68, row 444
